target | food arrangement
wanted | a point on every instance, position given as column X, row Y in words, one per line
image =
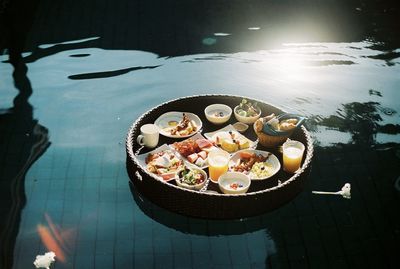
column 247, row 112
column 195, row 149
column 178, row 124
column 164, row 164
column 281, row 125
column 229, row 139
column 247, row 109
column 257, row 164
column 273, row 130
column 247, row 160
column 191, row 178
column 186, row 160
column 182, row 128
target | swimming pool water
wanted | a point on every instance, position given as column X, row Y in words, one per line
column 65, row 114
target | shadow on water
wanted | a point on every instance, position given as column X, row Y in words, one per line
column 182, row 223
column 107, row 74
column 265, row 226
column 23, row 140
column 361, row 120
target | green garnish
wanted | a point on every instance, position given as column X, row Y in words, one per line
column 248, row 109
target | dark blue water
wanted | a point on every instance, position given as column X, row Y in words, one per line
column 66, row 107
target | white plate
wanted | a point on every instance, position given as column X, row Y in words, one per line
column 272, row 160
column 212, row 135
column 195, row 137
column 142, row 158
column 162, row 122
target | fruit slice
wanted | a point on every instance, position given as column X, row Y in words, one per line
column 244, row 143
column 229, row 145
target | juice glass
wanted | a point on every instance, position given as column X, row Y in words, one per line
column 292, row 155
column 217, row 164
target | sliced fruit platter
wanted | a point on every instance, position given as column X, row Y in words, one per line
column 230, row 140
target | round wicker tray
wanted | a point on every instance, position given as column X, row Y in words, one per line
column 263, row 196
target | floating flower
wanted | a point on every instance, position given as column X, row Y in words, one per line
column 345, row 192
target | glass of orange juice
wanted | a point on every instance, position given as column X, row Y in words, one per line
column 292, row 155
column 217, row 164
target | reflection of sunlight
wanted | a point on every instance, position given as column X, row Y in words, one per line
column 55, row 239
column 222, row 34
column 278, row 75
column 290, row 64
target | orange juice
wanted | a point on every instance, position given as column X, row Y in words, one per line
column 292, row 155
column 218, row 164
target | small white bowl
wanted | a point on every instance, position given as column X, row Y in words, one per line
column 226, row 180
column 247, row 120
column 240, row 127
column 212, row 113
column 191, row 187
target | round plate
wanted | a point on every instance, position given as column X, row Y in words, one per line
column 164, row 119
column 272, row 160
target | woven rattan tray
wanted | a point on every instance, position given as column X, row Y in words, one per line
column 263, row 196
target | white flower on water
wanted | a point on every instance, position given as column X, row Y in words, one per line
column 345, row 192
column 44, row 261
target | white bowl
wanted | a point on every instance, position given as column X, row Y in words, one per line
column 226, row 180
column 240, row 127
column 213, row 110
column 191, row 187
column 247, row 120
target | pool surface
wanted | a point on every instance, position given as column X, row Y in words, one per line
column 89, row 70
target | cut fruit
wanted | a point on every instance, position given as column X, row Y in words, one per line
column 229, row 145
column 244, row 143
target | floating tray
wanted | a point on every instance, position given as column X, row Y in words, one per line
column 263, row 196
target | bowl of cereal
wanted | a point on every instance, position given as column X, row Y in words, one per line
column 218, row 113
column 234, row 183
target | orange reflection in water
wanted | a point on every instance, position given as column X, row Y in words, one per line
column 54, row 238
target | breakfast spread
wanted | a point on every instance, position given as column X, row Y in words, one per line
column 185, row 160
